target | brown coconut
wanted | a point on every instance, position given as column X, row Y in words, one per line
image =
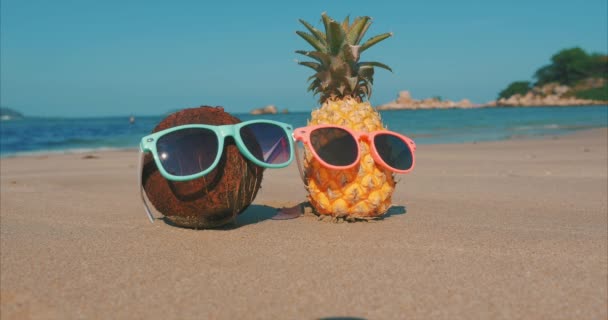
column 214, row 199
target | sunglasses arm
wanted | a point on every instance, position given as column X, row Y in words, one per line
column 412, row 144
column 299, row 161
column 141, row 187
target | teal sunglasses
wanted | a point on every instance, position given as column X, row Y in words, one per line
column 191, row 151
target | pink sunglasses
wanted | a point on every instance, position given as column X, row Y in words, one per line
column 337, row 147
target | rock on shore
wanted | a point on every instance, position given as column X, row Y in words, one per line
column 270, row 109
column 405, row 101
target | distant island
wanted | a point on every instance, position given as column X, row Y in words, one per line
column 270, row 109
column 405, row 101
column 9, row 114
column 551, row 94
column 573, row 78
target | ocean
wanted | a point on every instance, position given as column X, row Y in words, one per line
column 51, row 135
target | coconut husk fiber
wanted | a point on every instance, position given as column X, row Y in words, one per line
column 214, row 199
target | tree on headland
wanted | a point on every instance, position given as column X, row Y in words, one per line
column 570, row 66
column 517, row 87
column 586, row 73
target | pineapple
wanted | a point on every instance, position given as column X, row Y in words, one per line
column 344, row 85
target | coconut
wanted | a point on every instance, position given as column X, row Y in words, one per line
column 214, row 199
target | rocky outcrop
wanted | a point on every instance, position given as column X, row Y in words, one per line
column 405, row 101
column 270, row 109
column 551, row 94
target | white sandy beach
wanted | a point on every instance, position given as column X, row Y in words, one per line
column 499, row 230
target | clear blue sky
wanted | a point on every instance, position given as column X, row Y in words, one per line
column 100, row 58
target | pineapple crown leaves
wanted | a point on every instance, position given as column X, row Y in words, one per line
column 335, row 59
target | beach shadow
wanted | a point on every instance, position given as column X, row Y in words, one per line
column 255, row 213
column 395, row 210
column 252, row 215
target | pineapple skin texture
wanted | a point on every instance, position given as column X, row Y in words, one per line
column 362, row 192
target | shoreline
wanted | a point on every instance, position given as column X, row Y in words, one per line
column 84, row 151
column 494, row 230
column 77, row 151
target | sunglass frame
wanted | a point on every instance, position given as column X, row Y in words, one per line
column 148, row 144
column 302, row 134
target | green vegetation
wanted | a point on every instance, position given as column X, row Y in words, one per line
column 600, row 93
column 571, row 67
column 517, row 87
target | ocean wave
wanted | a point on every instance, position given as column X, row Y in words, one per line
column 39, row 136
column 73, row 141
column 536, row 127
column 552, row 126
column 39, row 153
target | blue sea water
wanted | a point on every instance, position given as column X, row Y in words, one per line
column 42, row 135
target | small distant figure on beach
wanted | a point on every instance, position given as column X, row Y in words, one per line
column 131, row 119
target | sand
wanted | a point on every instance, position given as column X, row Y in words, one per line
column 500, row 230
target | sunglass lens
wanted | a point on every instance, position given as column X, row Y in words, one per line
column 335, row 146
column 188, row 151
column 394, row 151
column 267, row 142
